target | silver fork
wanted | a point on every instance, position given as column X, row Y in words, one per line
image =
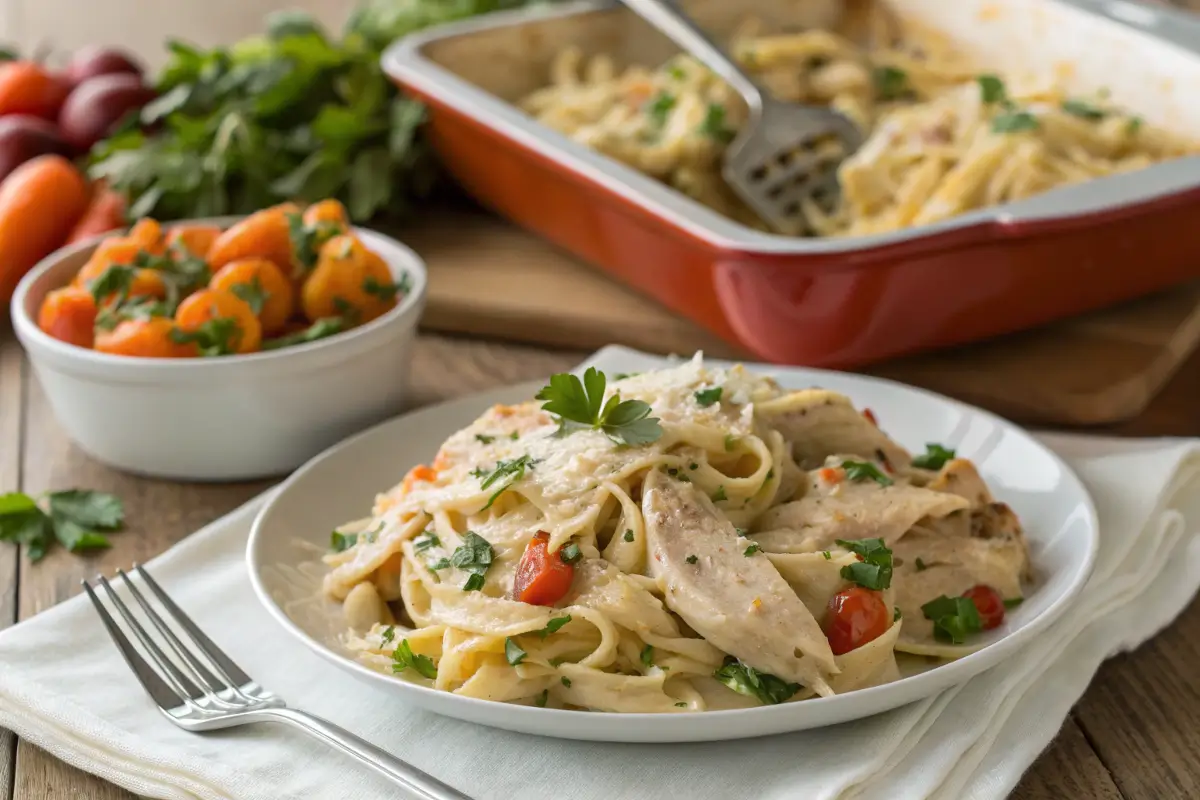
column 788, row 154
column 201, row 689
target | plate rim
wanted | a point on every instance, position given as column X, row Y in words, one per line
column 609, row 726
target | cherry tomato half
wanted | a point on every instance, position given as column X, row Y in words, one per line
column 542, row 578
column 988, row 603
column 855, row 616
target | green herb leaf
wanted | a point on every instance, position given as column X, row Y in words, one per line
column 404, row 658
column 1013, row 602
column 542, row 698
column 659, row 108
column 954, row 618
column 706, row 397
column 991, row 89
column 565, row 681
column 751, row 550
column 875, row 569
column 730, row 442
column 253, row 293
column 570, row 553
column 719, row 495
column 427, row 540
column 1084, row 110
column 580, row 404
column 934, row 457
column 1014, row 122
column 474, row 583
column 891, row 83
column 509, row 472
column 513, row 653
column 554, row 625
column 827, row 555
column 921, row 567
column 322, row 328
column 714, row 125
column 746, row 680
column 648, row 656
column 474, row 555
column 219, row 336
column 389, row 633
column 339, row 541
column 484, row 439
column 23, row 523
column 629, row 535
column 896, row 614
column 691, row 559
column 1133, row 126
column 98, row 510
column 865, row 470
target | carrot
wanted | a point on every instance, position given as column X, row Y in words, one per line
column 543, row 578
column 40, row 202
column 106, row 212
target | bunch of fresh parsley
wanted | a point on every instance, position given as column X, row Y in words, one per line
column 76, row 519
column 580, row 405
column 292, row 115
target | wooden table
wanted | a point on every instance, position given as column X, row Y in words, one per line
column 1134, row 734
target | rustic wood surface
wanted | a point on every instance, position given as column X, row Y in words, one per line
column 1132, row 736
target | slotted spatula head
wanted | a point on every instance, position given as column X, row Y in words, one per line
column 787, row 157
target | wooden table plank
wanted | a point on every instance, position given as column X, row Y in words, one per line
column 1069, row 768
column 11, row 390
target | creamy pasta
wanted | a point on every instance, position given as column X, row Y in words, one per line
column 942, row 138
column 680, row 540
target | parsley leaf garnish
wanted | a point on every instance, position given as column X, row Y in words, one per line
column 484, row 439
column 991, row 89
column 748, row 681
column 322, row 328
column 1013, row 602
column 510, row 472
column 565, row 681
column 553, row 626
column 865, row 470
column 629, row 535
column 875, row 569
column 691, row 559
column 427, row 540
column 384, row 291
column 659, row 108
column 719, row 495
column 954, row 618
column 570, row 553
column 934, row 457
column 513, row 653
column 751, row 550
column 921, row 565
column 896, row 614
column 828, row 556
column 706, row 397
column 253, row 293
column 219, row 336
column 77, row 519
column 730, row 442
column 891, row 83
column 580, row 404
column 339, row 541
column 714, row 125
column 648, row 655
column 1083, row 110
column 474, row 555
column 404, row 658
column 542, row 698
column 1014, row 122
column 389, row 633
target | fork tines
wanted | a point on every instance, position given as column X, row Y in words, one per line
column 181, row 668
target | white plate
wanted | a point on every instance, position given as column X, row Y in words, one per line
column 292, row 531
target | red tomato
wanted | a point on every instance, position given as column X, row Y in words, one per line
column 988, row 603
column 870, row 415
column 542, row 578
column 855, row 616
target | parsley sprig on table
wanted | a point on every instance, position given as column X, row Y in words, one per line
column 580, row 405
column 76, row 519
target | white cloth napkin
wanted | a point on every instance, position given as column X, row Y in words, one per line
column 64, row 687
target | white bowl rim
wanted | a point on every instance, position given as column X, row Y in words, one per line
column 914, row 687
column 28, row 330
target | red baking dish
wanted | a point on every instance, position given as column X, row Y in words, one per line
column 837, row 302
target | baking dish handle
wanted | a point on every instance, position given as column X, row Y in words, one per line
column 1162, row 21
column 1107, row 194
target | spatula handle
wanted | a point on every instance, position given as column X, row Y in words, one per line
column 665, row 16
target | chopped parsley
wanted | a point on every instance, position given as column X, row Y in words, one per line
column 441, row 563
column 828, row 556
column 510, row 472
column 954, row 618
column 569, row 553
column 404, row 658
column 385, row 291
column 693, row 465
column 513, row 653
column 714, row 125
column 219, row 336
column 475, row 556
column 991, row 89
column 864, row 471
column 484, row 439
column 681, row 705
column 874, row 571
column 740, row 531
column 321, row 329
column 921, row 566
column 934, row 457
column 748, row 681
column 659, row 108
column 389, row 634
column 706, row 397
column 565, row 681
column 890, row 83
column 514, row 435
column 253, row 293
column 553, row 626
column 427, row 540
column 1013, row 602
column 719, row 494
column 1014, row 122
column 580, row 405
column 1133, row 126
column 896, row 615
column 629, row 535
column 339, row 541
column 691, row 559
column 542, row 698
column 1083, row 110
column 730, row 442
column 77, row 519
column 677, row 73
column 751, row 550
column 648, row 655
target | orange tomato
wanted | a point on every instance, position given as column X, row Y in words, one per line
column 148, row 235
column 263, row 234
column 327, row 211
column 147, row 338
column 40, row 202
column 348, row 282
column 26, row 87
column 116, row 252
column 196, row 239
column 261, row 284
column 69, row 315
column 219, row 322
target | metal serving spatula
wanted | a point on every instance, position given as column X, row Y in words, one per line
column 786, row 152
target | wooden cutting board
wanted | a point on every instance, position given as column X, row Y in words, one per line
column 488, row 278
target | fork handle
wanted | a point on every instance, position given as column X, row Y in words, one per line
column 423, row 785
column 664, row 15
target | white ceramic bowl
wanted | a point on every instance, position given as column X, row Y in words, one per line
column 229, row 418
